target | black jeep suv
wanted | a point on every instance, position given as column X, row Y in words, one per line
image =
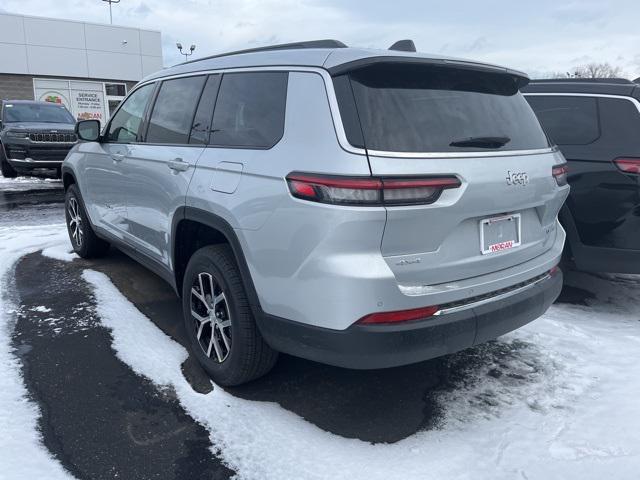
column 34, row 135
column 596, row 124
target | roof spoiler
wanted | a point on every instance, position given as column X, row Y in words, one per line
column 403, row 46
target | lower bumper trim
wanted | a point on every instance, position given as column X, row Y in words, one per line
column 390, row 345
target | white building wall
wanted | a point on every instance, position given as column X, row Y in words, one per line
column 66, row 48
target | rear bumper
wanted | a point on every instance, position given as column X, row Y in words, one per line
column 382, row 346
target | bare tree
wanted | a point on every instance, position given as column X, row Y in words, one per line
column 598, row 70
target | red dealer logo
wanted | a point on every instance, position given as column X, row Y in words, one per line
column 496, row 247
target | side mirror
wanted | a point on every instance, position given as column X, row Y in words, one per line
column 88, row 130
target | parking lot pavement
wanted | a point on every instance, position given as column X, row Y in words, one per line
column 100, row 349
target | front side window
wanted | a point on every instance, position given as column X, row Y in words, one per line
column 250, row 110
column 409, row 107
column 173, row 111
column 125, row 124
column 36, row 112
column 568, row 120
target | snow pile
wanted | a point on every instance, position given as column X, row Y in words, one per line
column 557, row 399
column 22, row 454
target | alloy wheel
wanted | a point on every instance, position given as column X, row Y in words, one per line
column 212, row 317
column 75, row 221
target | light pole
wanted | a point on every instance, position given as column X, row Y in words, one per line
column 110, row 13
column 186, row 55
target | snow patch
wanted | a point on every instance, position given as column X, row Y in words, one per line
column 22, row 454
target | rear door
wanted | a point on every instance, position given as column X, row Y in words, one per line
column 160, row 168
column 593, row 132
column 426, row 120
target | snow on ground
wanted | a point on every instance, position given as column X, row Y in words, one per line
column 21, row 449
column 574, row 416
column 557, row 399
column 25, row 183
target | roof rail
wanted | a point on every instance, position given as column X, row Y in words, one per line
column 283, row 46
column 582, row 80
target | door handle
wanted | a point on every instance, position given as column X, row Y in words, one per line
column 117, row 157
column 178, row 165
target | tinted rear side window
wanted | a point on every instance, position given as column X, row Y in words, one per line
column 620, row 124
column 173, row 111
column 250, row 110
column 568, row 120
column 407, row 107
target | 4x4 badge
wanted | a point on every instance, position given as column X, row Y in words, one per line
column 517, row 178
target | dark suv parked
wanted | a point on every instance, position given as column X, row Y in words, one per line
column 596, row 124
column 34, row 135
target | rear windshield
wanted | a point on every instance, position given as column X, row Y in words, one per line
column 36, row 112
column 405, row 107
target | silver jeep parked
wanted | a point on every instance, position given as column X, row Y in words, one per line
column 361, row 208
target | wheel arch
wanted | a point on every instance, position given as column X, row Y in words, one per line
column 194, row 228
column 68, row 177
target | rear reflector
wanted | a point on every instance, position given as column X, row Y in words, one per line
column 560, row 172
column 628, row 165
column 399, row 316
column 369, row 190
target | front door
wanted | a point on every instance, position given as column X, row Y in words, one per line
column 106, row 184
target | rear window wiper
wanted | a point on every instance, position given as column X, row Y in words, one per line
column 481, row 142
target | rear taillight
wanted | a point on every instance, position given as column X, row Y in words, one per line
column 560, row 172
column 399, row 316
column 369, row 190
column 628, row 165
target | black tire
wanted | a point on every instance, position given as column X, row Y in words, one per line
column 5, row 167
column 248, row 356
column 84, row 240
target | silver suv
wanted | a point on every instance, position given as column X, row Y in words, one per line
column 360, row 208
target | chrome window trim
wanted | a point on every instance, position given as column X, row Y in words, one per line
column 592, row 95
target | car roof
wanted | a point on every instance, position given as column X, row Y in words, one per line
column 330, row 55
column 603, row 86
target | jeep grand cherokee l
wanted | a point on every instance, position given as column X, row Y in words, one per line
column 362, row 208
column 34, row 135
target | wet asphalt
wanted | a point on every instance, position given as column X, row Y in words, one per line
column 103, row 421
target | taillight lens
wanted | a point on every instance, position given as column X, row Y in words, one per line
column 399, row 316
column 628, row 165
column 369, row 190
column 560, row 174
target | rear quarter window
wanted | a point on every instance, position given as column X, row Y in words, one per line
column 568, row 120
column 250, row 110
column 620, row 125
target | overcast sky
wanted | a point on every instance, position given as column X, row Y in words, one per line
column 539, row 36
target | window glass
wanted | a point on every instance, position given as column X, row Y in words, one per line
column 568, row 120
column 202, row 121
column 115, row 89
column 125, row 124
column 37, row 112
column 250, row 109
column 408, row 107
column 173, row 111
column 620, row 124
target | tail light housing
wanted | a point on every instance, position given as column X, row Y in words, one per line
column 628, row 165
column 369, row 191
column 560, row 173
column 399, row 316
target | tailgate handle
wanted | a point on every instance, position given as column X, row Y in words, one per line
column 178, row 165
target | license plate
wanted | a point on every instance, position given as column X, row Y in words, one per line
column 498, row 234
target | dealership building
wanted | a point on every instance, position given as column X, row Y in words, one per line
column 87, row 67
